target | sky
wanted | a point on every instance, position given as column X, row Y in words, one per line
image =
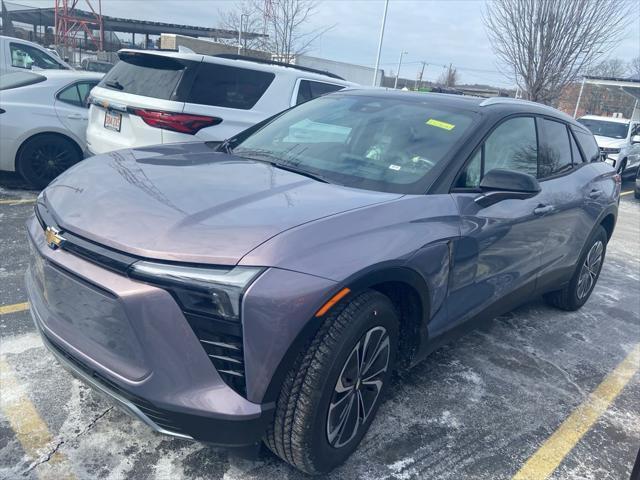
column 438, row 32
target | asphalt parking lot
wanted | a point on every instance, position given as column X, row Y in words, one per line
column 533, row 390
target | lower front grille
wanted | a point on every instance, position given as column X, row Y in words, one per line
column 222, row 341
column 160, row 417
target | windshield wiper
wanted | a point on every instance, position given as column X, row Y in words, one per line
column 275, row 161
column 114, row 84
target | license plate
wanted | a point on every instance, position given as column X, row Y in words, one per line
column 112, row 120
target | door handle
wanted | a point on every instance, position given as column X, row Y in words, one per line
column 595, row 193
column 76, row 116
column 542, row 209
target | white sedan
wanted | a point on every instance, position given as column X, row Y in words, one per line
column 43, row 122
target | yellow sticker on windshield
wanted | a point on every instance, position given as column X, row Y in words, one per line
column 440, row 124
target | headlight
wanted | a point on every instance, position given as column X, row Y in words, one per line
column 610, row 150
column 213, row 291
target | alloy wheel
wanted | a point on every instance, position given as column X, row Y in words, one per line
column 358, row 386
column 590, row 270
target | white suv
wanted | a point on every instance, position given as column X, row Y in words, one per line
column 618, row 139
column 154, row 97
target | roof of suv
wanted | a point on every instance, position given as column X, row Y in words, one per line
column 245, row 62
column 466, row 101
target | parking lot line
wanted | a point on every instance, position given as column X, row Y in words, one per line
column 626, row 193
column 17, row 201
column 547, row 458
column 16, row 307
column 31, row 431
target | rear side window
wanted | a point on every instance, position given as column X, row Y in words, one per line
column 147, row 75
column 588, row 144
column 76, row 94
column 308, row 90
column 575, row 152
column 555, row 150
column 230, row 87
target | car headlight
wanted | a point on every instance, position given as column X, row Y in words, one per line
column 214, row 291
column 608, row 150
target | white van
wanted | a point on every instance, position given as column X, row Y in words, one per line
column 154, row 97
column 19, row 55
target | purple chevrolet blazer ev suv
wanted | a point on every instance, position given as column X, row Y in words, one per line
column 266, row 288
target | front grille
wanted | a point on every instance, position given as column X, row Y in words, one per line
column 160, row 417
column 222, row 341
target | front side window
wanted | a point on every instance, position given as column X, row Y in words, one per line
column 555, row 150
column 26, row 56
column 512, row 145
column 308, row 90
column 365, row 142
column 230, row 87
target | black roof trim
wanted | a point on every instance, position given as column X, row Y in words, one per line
column 233, row 56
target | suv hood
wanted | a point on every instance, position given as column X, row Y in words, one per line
column 189, row 203
column 607, row 142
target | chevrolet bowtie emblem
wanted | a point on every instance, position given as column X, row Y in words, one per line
column 53, row 237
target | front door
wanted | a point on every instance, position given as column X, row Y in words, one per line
column 497, row 256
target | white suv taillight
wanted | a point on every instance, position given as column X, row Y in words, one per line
column 177, row 122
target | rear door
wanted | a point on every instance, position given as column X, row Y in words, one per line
column 497, row 257
column 137, row 82
column 72, row 107
column 565, row 187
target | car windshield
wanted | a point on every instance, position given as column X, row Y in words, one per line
column 606, row 129
column 384, row 144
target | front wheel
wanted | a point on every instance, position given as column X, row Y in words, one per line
column 587, row 272
column 331, row 396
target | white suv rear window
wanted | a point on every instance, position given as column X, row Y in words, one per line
column 231, row 87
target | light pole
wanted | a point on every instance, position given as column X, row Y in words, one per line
column 240, row 32
column 402, row 53
column 384, row 20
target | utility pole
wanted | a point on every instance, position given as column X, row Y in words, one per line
column 240, row 32
column 419, row 83
column 402, row 53
column 384, row 21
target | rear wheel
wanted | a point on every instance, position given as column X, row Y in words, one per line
column 584, row 279
column 43, row 157
column 331, row 396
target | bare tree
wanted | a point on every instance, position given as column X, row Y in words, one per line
column 448, row 78
column 548, row 43
column 634, row 68
column 245, row 15
column 284, row 22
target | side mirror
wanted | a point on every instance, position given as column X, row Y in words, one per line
column 501, row 184
column 635, row 139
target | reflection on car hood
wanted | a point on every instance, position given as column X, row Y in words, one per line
column 189, row 203
column 608, row 142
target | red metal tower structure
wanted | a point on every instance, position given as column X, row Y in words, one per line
column 70, row 22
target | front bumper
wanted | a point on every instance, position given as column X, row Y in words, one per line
column 131, row 342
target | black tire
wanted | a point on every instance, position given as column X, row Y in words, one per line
column 45, row 156
column 623, row 166
column 302, row 424
column 577, row 292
